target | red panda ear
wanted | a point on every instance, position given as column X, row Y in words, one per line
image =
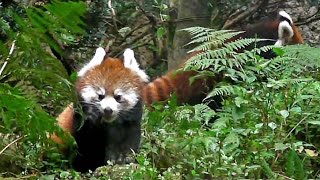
column 96, row 60
column 130, row 62
column 284, row 16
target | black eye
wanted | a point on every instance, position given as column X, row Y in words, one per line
column 100, row 96
column 117, row 98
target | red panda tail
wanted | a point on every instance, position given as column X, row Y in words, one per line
column 65, row 121
column 179, row 82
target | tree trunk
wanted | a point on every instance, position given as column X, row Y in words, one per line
column 190, row 13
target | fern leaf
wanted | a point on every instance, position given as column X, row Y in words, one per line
column 270, row 174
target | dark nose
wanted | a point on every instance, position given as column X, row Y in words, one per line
column 108, row 111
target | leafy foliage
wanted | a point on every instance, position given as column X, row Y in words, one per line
column 34, row 84
column 267, row 127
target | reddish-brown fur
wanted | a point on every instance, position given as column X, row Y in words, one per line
column 179, row 82
column 111, row 74
column 65, row 121
column 268, row 30
column 297, row 37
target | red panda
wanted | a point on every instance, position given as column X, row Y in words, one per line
column 276, row 32
column 110, row 89
column 109, row 127
column 280, row 31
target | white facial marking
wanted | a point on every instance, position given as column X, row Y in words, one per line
column 285, row 32
column 131, row 63
column 110, row 102
column 96, row 60
column 129, row 96
column 280, row 42
column 88, row 93
column 286, row 15
column 284, row 26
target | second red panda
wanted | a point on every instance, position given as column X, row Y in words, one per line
column 276, row 32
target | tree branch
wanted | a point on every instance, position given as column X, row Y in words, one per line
column 310, row 19
column 113, row 14
column 6, row 62
column 7, row 146
column 230, row 22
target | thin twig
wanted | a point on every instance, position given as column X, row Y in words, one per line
column 7, row 146
column 312, row 18
column 296, row 126
column 6, row 62
column 113, row 14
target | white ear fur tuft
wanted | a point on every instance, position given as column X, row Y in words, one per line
column 131, row 63
column 286, row 15
column 285, row 32
column 96, row 60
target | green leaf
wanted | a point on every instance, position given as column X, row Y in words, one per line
column 314, row 122
column 238, row 101
column 280, row 146
column 279, row 51
column 161, row 31
column 272, row 125
column 231, row 142
column 284, row 113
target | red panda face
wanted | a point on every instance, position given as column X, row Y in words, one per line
column 288, row 33
column 109, row 104
column 280, row 31
column 111, row 87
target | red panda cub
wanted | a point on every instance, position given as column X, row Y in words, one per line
column 109, row 126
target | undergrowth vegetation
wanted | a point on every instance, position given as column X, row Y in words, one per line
column 33, row 83
column 267, row 128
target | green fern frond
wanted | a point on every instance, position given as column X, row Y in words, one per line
column 218, row 51
column 286, row 82
column 34, row 82
column 290, row 165
column 241, row 43
column 69, row 14
column 226, row 90
column 305, row 55
column 294, row 166
column 21, row 113
column 214, row 39
column 267, row 169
